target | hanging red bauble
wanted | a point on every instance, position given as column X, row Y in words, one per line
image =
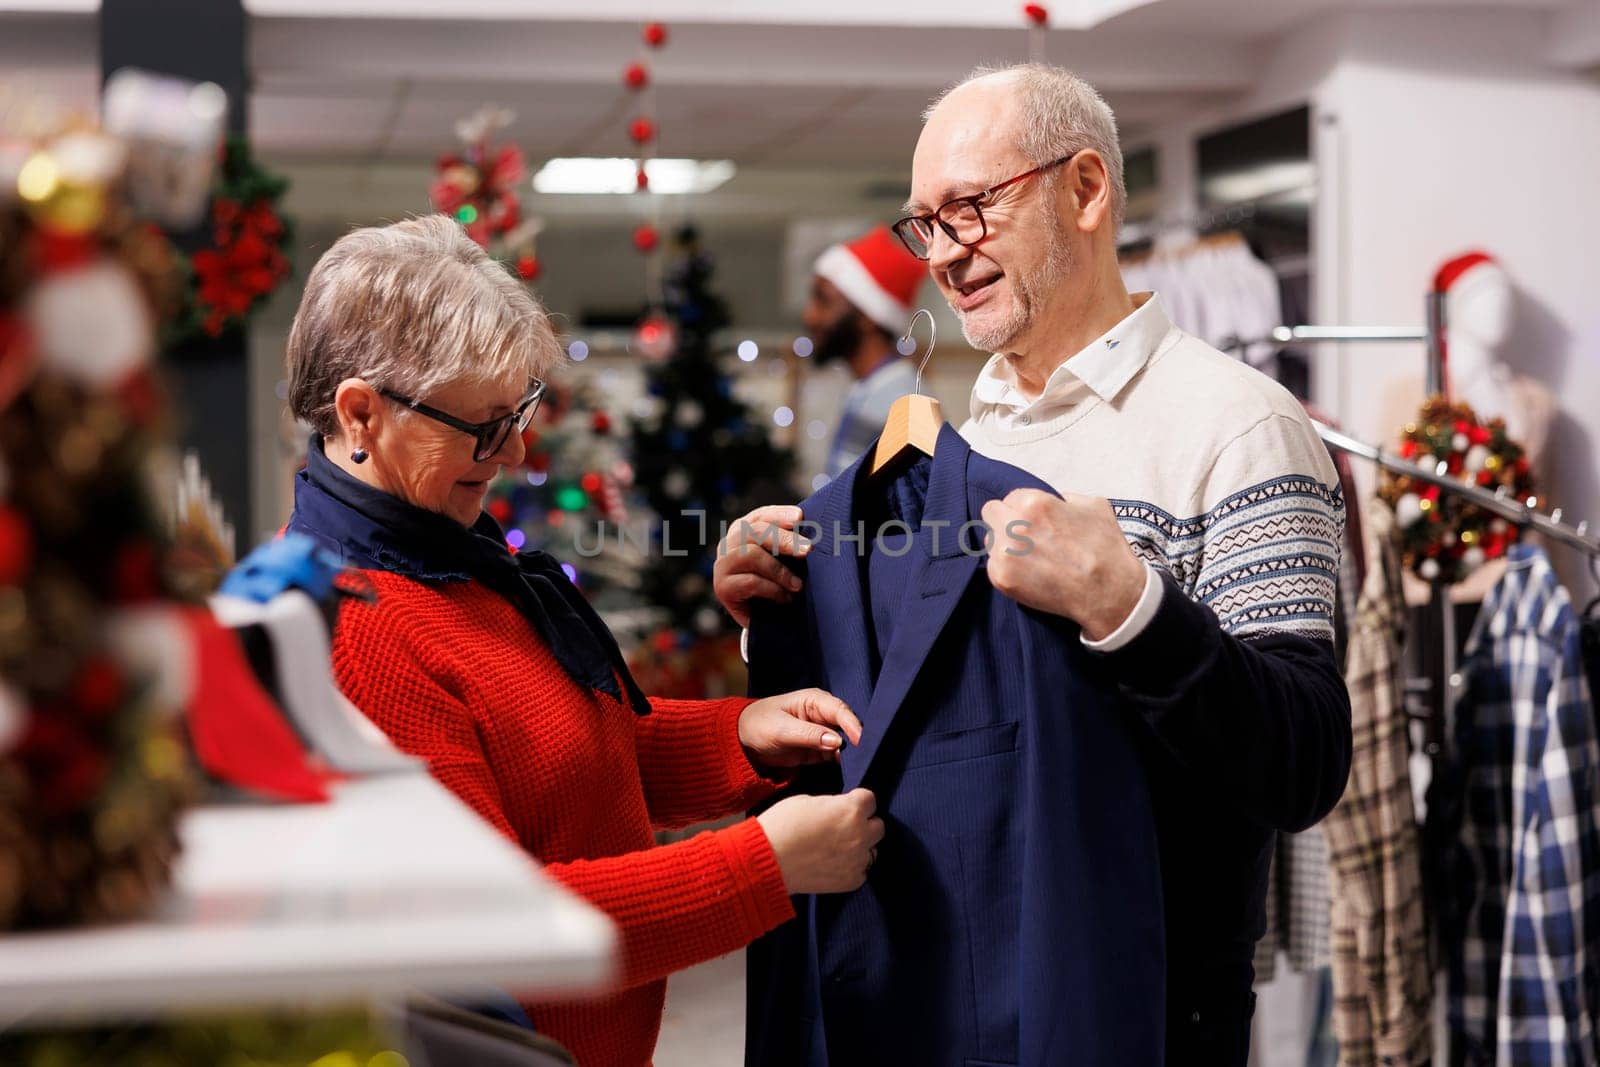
column 590, row 483
column 642, row 130
column 1037, row 14
column 655, row 34
column 645, row 238
column 16, row 546
column 500, row 510
column 636, row 76
column 529, row 268
column 600, row 422
column 642, row 180
column 98, row 688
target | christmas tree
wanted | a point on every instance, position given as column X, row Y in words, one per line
column 700, row 455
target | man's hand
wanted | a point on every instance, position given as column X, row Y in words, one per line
column 747, row 565
column 795, row 728
column 1070, row 558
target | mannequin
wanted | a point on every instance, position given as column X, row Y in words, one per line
column 1479, row 312
column 1480, row 309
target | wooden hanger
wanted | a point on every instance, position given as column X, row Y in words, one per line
column 914, row 420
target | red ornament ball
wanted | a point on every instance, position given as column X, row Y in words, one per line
column 600, row 423
column 590, row 483
column 636, row 76
column 642, row 130
column 645, row 238
column 655, row 34
column 500, row 511
column 642, row 179
column 529, row 268
column 16, row 546
column 98, row 688
column 136, row 572
column 1037, row 14
column 665, row 641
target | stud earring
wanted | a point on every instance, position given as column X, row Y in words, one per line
column 359, row 456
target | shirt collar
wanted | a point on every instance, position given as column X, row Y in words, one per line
column 1105, row 366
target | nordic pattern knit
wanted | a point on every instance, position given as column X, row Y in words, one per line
column 454, row 674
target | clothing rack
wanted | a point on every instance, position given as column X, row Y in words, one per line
column 1206, row 222
column 1500, row 502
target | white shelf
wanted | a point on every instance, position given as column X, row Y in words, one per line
column 394, row 886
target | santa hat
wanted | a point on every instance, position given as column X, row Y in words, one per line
column 1456, row 277
column 877, row 275
column 1465, row 270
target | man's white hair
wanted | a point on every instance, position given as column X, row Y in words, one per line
column 1060, row 114
column 412, row 306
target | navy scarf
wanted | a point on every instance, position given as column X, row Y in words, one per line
column 373, row 530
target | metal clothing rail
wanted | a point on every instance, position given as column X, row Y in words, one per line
column 1500, row 502
column 1438, row 658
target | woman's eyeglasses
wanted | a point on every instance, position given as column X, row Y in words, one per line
column 491, row 435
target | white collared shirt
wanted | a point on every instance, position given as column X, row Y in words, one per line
column 1101, row 369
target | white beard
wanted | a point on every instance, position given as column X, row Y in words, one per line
column 1027, row 291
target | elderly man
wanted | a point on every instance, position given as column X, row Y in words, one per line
column 1194, row 540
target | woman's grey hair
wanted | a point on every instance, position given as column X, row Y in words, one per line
column 1061, row 114
column 411, row 306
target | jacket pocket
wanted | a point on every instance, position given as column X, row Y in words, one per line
column 952, row 746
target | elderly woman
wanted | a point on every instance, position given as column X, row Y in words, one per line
column 417, row 359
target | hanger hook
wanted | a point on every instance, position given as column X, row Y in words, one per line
column 933, row 339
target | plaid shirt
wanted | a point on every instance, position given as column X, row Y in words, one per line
column 1525, row 985
column 1382, row 984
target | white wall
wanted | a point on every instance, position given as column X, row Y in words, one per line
column 1433, row 136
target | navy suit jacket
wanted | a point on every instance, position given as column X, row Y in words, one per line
column 1014, row 913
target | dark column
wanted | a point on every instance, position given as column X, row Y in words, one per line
column 201, row 40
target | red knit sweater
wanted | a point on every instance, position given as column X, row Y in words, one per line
column 453, row 673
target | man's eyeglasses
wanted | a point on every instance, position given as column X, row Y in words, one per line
column 491, row 435
column 961, row 219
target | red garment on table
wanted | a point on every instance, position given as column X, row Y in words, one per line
column 453, row 673
column 239, row 735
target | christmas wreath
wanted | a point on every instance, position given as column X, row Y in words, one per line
column 247, row 257
column 1442, row 535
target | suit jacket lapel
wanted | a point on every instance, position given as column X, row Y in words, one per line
column 833, row 583
column 939, row 582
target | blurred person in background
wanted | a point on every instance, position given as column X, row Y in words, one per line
column 417, row 360
column 862, row 297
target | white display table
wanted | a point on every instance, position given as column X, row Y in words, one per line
column 395, row 885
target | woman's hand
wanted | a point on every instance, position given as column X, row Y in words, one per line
column 797, row 728
column 824, row 844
